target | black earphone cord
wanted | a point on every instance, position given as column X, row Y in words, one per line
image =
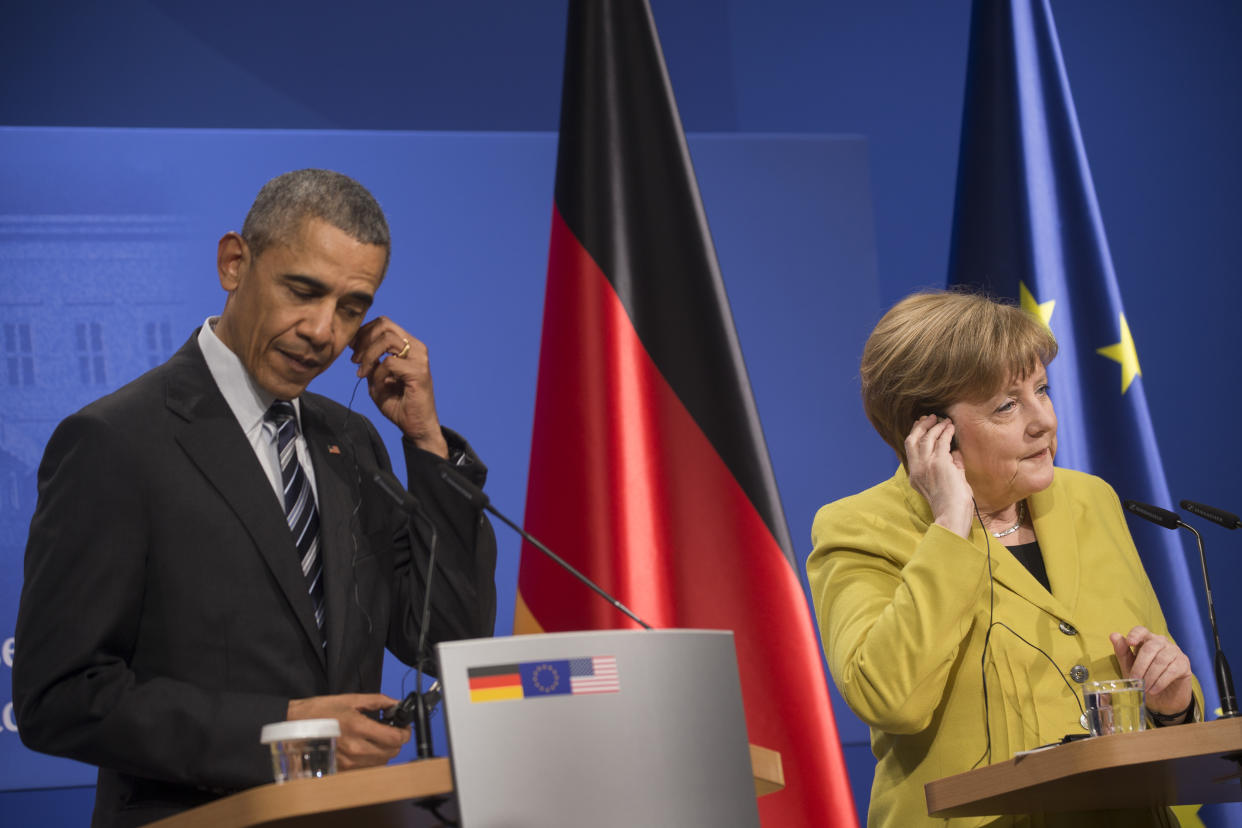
column 987, row 637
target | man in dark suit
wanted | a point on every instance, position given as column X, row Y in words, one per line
column 210, row 551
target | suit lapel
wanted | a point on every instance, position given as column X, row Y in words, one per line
column 336, row 481
column 1054, row 526
column 216, row 444
column 1057, row 543
column 1059, row 547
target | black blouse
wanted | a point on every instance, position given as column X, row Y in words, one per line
column 1033, row 560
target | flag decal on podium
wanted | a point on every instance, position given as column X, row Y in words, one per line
column 594, row 675
column 497, row 683
column 552, row 677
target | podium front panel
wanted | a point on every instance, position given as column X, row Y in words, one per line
column 619, row 728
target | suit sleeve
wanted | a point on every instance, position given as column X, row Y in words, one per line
column 76, row 689
column 891, row 632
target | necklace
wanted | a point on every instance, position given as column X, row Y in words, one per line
column 1021, row 517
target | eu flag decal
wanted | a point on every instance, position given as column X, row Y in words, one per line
column 554, row 677
column 545, row 678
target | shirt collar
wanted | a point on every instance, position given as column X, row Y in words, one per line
column 248, row 401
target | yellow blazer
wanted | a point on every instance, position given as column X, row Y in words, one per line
column 903, row 608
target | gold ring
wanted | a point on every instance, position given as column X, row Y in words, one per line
column 404, row 350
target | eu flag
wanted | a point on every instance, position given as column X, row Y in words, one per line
column 1027, row 226
column 545, row 678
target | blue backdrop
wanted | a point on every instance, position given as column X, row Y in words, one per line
column 108, row 260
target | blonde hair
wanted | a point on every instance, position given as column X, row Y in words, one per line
column 936, row 348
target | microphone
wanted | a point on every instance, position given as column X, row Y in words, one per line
column 1224, row 678
column 1158, row 516
column 1226, row 519
column 464, row 487
column 415, row 707
column 389, row 485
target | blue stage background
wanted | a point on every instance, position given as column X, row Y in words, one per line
column 108, row 259
column 1156, row 87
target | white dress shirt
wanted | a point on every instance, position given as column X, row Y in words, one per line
column 249, row 404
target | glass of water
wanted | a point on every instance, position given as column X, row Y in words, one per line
column 1115, row 706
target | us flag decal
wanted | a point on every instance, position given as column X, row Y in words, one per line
column 594, row 675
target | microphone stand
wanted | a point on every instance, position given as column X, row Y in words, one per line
column 480, row 500
column 415, row 705
column 1224, row 678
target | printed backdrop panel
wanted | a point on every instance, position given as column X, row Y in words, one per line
column 107, row 264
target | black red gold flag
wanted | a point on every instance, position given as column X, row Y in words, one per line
column 649, row 470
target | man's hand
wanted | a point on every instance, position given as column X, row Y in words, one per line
column 400, row 383
column 363, row 742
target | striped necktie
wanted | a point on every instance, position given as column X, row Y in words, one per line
column 300, row 511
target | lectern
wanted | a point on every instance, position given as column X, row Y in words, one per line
column 608, row 729
column 1186, row 764
column 666, row 719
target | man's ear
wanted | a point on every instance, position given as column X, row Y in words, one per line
column 232, row 259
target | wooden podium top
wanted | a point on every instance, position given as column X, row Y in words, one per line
column 375, row 797
column 386, row 797
column 1193, row 763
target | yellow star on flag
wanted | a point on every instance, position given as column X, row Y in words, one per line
column 1125, row 353
column 1040, row 310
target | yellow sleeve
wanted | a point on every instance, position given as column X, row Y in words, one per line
column 894, row 599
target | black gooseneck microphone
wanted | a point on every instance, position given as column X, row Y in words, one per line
column 458, row 483
column 416, row 707
column 1226, row 519
column 1169, row 520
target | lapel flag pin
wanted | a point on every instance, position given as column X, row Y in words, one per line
column 334, row 449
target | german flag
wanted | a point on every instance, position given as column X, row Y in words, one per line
column 649, row 469
column 499, row 683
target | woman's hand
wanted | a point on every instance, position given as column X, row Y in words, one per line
column 1161, row 664
column 937, row 473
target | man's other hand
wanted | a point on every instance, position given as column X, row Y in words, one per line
column 364, row 742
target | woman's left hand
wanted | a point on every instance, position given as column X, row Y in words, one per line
column 1161, row 664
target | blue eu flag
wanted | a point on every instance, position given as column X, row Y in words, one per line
column 545, row 678
column 1027, row 226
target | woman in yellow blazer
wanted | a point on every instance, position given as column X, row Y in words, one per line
column 951, row 667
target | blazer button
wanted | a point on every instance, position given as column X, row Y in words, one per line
column 1079, row 673
column 1067, row 628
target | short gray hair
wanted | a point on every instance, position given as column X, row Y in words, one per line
column 288, row 200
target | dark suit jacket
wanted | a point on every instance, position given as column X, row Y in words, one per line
column 164, row 618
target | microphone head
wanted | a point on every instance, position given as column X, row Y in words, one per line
column 387, row 483
column 1219, row 516
column 460, row 484
column 1158, row 516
